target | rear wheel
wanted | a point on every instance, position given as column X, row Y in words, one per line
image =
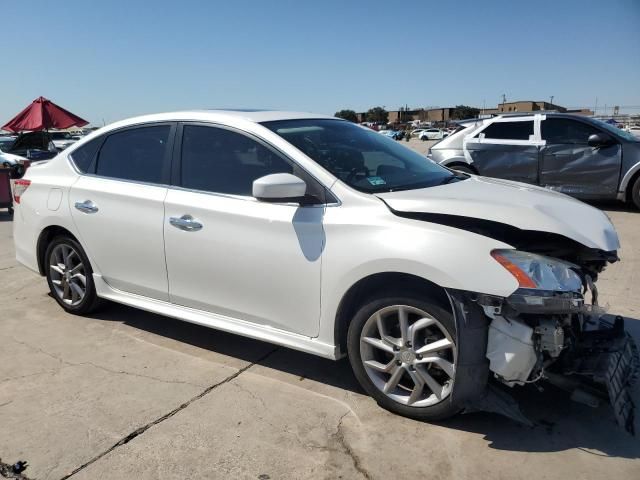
column 403, row 353
column 70, row 276
column 635, row 192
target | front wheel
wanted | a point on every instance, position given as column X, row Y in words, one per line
column 70, row 276
column 403, row 353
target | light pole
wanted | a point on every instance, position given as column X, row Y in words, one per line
column 551, row 102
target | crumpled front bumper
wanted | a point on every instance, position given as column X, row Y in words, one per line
column 603, row 363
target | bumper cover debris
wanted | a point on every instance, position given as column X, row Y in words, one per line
column 609, row 357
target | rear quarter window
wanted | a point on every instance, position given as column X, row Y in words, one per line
column 83, row 156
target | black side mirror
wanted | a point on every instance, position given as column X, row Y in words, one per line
column 599, row 140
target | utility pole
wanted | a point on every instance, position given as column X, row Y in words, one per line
column 551, row 102
column 504, row 100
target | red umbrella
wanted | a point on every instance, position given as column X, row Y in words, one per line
column 43, row 114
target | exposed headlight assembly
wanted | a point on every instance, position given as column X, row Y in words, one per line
column 538, row 272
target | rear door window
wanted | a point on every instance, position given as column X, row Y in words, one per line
column 509, row 130
column 138, row 154
column 566, row 131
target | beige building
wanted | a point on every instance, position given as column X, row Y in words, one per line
column 423, row 115
column 443, row 114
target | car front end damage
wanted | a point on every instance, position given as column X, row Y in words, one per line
column 551, row 329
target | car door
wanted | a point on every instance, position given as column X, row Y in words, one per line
column 230, row 254
column 506, row 148
column 118, row 208
column 571, row 166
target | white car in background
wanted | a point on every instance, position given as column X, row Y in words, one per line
column 433, row 134
column 633, row 129
column 317, row 234
column 62, row 140
column 6, row 158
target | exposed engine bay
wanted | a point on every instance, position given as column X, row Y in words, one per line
column 555, row 334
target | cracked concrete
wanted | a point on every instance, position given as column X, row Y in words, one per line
column 144, row 428
column 128, row 394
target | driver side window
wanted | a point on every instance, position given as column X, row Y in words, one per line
column 220, row 160
column 565, row 131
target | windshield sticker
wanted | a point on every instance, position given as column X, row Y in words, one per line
column 376, row 181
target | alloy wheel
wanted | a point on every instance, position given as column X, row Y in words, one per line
column 68, row 275
column 408, row 355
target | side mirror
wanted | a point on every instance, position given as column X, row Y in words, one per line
column 279, row 187
column 599, row 140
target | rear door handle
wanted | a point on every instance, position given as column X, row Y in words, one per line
column 87, row 206
column 186, row 223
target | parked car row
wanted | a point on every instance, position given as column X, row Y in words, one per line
column 38, row 145
column 572, row 154
column 421, row 133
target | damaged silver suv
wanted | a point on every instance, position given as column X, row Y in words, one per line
column 580, row 156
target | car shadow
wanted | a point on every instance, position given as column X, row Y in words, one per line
column 559, row 423
column 5, row 216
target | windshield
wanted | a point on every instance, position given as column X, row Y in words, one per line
column 616, row 131
column 360, row 157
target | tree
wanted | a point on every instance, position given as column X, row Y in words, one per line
column 461, row 112
column 347, row 115
column 377, row 114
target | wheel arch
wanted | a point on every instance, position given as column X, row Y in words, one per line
column 45, row 237
column 367, row 286
column 453, row 163
column 629, row 181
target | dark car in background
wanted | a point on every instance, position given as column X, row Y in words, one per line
column 34, row 146
column 580, row 156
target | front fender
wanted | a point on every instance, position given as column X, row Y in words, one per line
column 384, row 243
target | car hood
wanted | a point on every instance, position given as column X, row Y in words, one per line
column 520, row 205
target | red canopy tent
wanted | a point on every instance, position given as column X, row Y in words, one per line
column 43, row 114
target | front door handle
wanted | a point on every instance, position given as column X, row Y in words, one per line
column 87, row 206
column 186, row 223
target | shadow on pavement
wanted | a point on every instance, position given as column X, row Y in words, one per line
column 5, row 216
column 560, row 424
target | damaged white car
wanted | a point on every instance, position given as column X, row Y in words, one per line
column 320, row 235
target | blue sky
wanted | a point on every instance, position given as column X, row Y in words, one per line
column 110, row 60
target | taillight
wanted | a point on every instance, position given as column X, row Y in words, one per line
column 19, row 187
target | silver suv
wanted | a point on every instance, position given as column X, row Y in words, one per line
column 576, row 155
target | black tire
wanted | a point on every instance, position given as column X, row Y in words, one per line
column 439, row 411
column 463, row 169
column 635, row 193
column 90, row 302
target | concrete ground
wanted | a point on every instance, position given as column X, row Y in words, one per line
column 129, row 394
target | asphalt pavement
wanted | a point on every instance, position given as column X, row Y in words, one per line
column 129, row 394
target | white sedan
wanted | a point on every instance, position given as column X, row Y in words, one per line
column 433, row 134
column 273, row 226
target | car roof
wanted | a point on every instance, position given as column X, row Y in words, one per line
column 217, row 115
